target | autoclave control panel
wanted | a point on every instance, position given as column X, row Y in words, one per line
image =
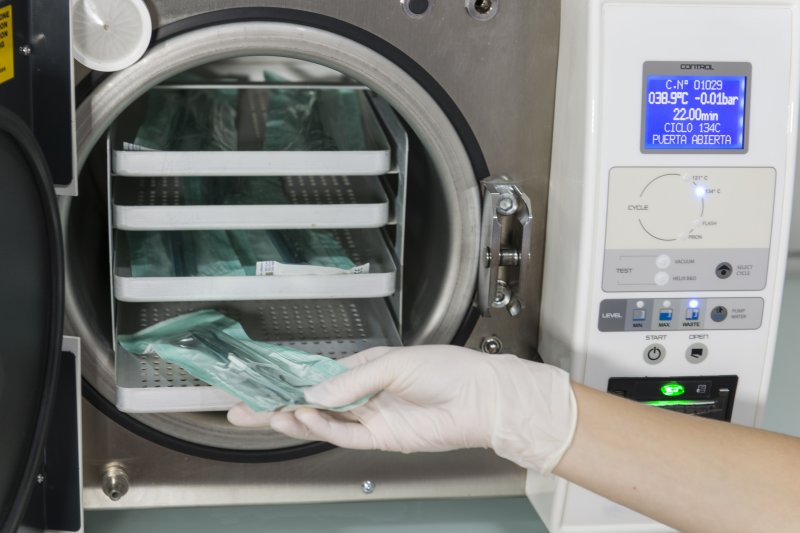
column 690, row 212
column 679, row 239
column 673, row 163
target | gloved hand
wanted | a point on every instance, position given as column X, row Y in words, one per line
column 438, row 398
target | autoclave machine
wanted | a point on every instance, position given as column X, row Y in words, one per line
column 650, row 273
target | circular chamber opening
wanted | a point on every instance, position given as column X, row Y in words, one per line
column 442, row 207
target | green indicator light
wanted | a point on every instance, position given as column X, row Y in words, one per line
column 672, row 389
column 666, row 403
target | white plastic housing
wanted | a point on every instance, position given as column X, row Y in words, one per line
column 598, row 127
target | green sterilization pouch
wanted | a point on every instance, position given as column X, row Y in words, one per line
column 317, row 247
column 216, row 349
column 197, row 119
column 238, row 253
column 313, row 119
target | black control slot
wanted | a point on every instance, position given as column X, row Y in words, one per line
column 706, row 396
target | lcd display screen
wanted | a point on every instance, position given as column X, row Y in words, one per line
column 694, row 113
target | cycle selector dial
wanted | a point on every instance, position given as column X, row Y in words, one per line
column 671, row 207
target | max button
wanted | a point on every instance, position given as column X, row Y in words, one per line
column 654, row 353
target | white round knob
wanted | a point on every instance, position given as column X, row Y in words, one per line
column 109, row 35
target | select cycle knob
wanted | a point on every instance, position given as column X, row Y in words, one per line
column 723, row 270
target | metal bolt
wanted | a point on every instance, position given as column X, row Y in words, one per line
column 482, row 10
column 509, row 257
column 507, row 204
column 514, row 307
column 487, row 256
column 483, row 6
column 25, row 50
column 39, row 478
column 502, row 294
column 367, row 487
column 491, row 345
column 115, row 482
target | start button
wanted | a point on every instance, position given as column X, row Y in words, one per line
column 654, row 353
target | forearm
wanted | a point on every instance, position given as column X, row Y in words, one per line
column 692, row 474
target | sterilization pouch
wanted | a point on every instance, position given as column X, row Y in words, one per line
column 198, row 119
column 317, row 247
column 150, row 254
column 239, row 253
column 299, row 119
column 216, row 349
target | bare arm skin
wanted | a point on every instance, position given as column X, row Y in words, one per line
column 692, row 474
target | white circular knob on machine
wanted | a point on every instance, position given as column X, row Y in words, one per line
column 109, row 35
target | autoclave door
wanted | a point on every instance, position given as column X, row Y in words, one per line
column 31, row 310
column 31, row 271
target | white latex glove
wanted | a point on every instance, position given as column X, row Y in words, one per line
column 438, row 398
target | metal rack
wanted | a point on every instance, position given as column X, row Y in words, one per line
column 363, row 246
column 372, row 158
column 330, row 315
column 334, row 328
column 159, row 203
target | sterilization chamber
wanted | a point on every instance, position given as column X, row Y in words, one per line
column 431, row 122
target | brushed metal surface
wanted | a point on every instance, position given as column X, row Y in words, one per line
column 437, row 311
column 164, row 478
column 501, row 75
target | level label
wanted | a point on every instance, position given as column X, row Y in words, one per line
column 663, row 315
column 6, row 45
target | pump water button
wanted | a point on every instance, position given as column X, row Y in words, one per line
column 719, row 313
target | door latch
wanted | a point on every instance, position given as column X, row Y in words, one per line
column 505, row 246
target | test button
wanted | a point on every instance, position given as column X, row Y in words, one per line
column 663, row 261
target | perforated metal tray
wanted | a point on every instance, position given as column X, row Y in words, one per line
column 158, row 203
column 373, row 159
column 334, row 328
column 361, row 246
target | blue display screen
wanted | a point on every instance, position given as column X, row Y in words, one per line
column 694, row 112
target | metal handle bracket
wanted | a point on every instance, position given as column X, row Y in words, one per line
column 505, row 242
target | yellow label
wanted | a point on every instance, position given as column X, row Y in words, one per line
column 6, row 45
